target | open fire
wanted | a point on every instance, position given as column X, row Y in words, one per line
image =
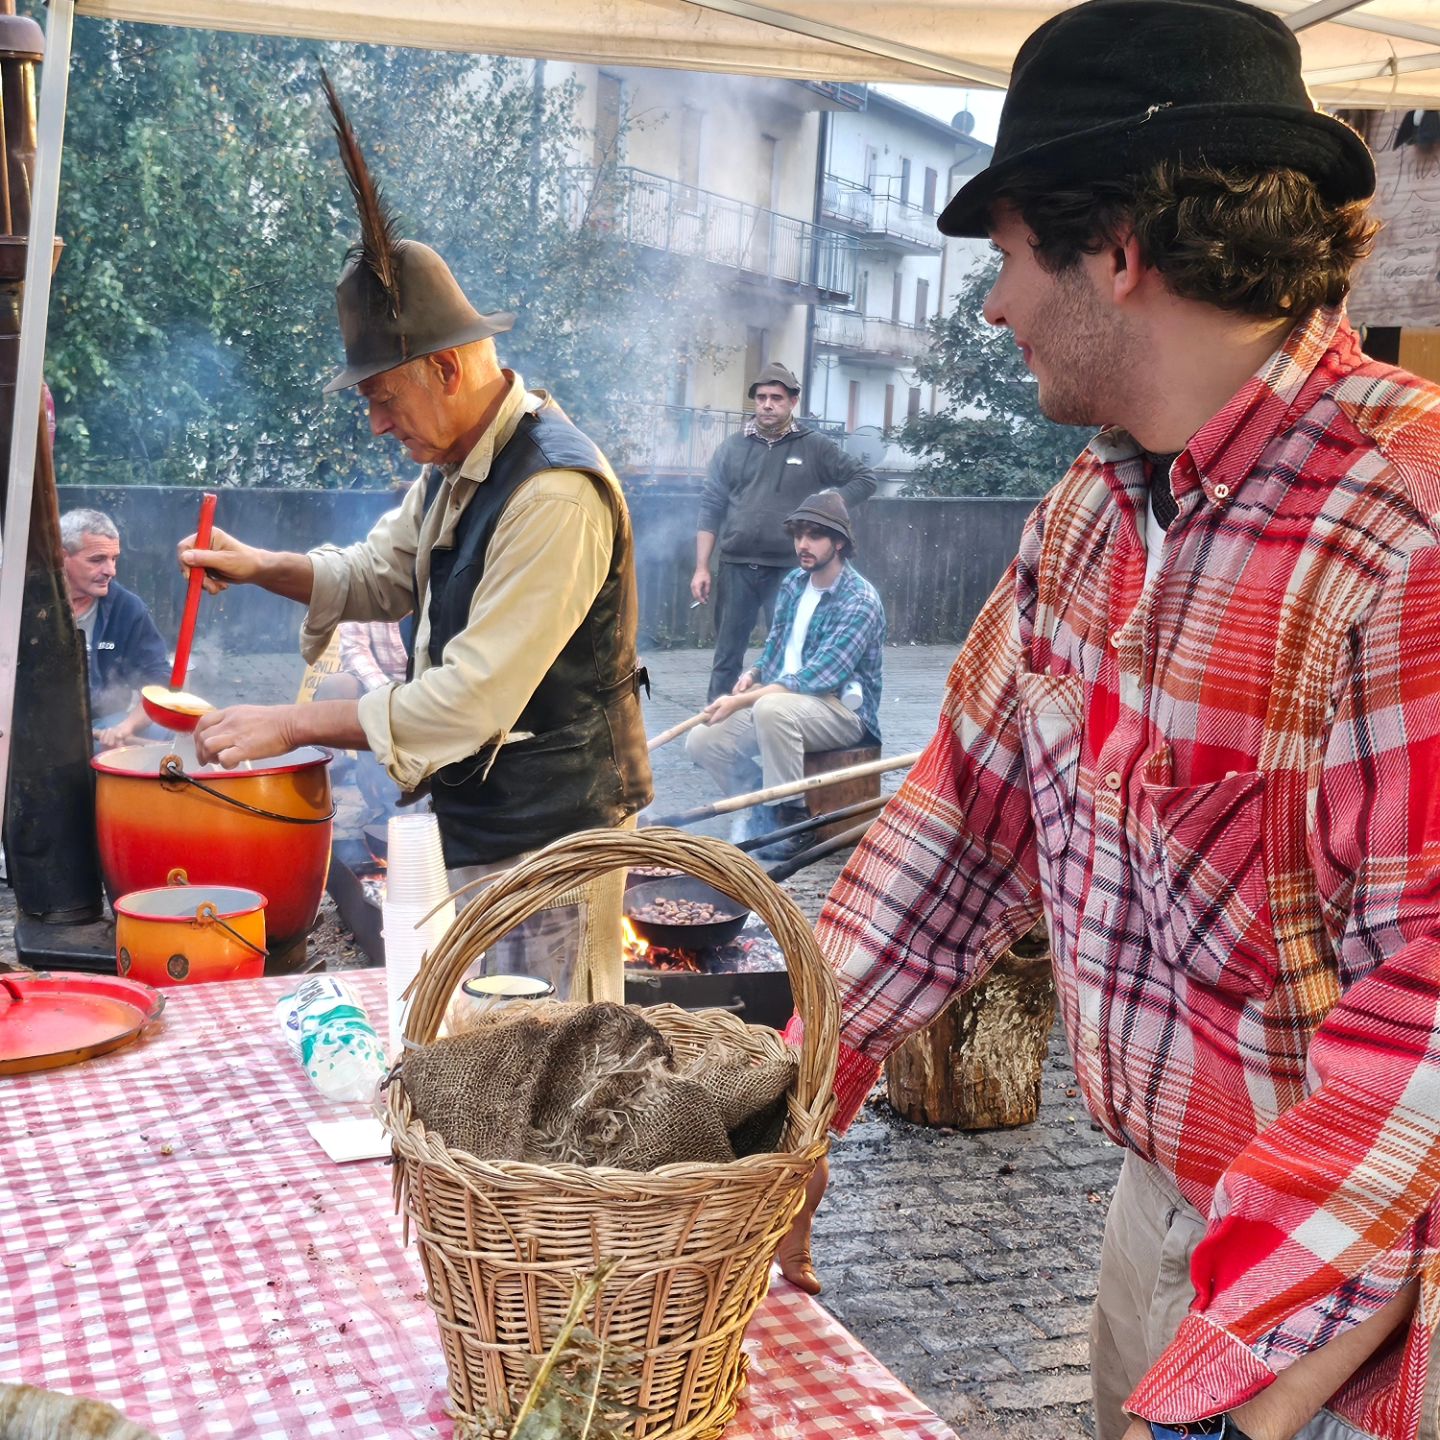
column 640, row 952
column 746, row 975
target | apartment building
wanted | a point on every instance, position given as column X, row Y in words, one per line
column 888, row 170
column 716, row 177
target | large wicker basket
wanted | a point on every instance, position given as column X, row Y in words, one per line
column 504, row 1245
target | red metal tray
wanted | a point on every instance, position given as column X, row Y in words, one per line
column 51, row 1020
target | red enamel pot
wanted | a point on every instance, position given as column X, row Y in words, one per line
column 266, row 828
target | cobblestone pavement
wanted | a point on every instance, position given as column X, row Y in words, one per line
column 965, row 1262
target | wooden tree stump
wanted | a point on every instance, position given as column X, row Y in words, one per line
column 977, row 1066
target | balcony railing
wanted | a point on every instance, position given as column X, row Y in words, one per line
column 845, row 96
column 870, row 334
column 879, row 214
column 667, row 215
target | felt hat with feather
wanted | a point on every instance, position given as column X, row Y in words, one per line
column 397, row 298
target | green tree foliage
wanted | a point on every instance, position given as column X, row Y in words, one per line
column 989, row 437
column 206, row 220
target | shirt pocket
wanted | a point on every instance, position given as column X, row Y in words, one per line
column 1209, row 897
column 1052, row 728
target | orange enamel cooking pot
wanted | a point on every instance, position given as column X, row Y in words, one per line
column 190, row 934
column 266, row 829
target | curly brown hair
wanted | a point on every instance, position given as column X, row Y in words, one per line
column 1264, row 243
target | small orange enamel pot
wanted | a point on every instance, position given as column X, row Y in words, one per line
column 182, row 934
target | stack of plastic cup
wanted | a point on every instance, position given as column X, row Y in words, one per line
column 415, row 883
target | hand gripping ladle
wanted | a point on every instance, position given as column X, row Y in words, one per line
column 173, row 708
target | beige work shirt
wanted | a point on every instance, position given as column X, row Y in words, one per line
column 545, row 565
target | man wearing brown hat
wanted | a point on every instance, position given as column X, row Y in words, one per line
column 817, row 683
column 1196, row 728
column 755, row 479
column 514, row 551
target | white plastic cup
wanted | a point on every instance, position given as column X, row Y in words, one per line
column 415, row 883
column 415, row 862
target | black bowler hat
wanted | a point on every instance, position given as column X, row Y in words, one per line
column 1108, row 89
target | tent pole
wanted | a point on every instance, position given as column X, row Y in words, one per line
column 945, row 68
column 39, row 260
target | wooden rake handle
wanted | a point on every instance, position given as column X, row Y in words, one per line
column 675, row 731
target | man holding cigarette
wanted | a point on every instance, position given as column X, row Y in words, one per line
column 755, row 479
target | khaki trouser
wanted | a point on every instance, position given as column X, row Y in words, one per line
column 575, row 944
column 779, row 730
column 1145, row 1292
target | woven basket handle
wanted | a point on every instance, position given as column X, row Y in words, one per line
column 578, row 859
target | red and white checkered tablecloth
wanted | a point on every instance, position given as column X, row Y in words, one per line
column 173, row 1241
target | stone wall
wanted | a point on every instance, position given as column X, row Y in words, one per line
column 933, row 561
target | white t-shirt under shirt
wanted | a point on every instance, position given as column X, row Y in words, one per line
column 800, row 627
column 1153, row 534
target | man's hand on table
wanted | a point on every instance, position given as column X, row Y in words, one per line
column 794, row 1250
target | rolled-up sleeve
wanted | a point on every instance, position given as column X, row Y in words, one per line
column 372, row 580
column 545, row 564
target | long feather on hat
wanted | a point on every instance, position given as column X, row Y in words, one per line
column 379, row 242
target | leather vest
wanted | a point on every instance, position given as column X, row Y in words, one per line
column 586, row 764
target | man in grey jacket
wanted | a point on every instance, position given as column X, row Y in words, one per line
column 756, row 478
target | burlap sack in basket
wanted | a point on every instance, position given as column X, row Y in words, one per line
column 592, row 1085
column 505, row 1244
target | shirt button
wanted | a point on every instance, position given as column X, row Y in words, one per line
column 1092, row 1040
column 1221, row 491
column 1113, row 780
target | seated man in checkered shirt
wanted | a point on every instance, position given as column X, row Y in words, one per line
column 816, row 685
column 1197, row 728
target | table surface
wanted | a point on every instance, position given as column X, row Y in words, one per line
column 196, row 1260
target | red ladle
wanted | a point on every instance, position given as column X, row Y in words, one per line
column 173, row 708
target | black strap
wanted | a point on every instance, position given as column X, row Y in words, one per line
column 172, row 769
column 1162, row 498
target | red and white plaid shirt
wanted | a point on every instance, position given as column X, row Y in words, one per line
column 1225, row 792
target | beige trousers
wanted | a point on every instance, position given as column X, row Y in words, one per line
column 776, row 729
column 1151, row 1230
column 576, row 943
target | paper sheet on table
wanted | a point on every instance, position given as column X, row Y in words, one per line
column 361, row 1137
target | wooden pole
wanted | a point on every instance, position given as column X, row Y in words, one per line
column 784, row 792
column 847, row 838
column 978, row 1064
column 815, row 822
column 675, row 731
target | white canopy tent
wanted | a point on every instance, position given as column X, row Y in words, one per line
column 1376, row 54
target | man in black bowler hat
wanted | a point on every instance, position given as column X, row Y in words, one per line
column 1196, row 728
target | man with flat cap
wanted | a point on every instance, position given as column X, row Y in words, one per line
column 756, row 477
column 1197, row 728
column 514, row 551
